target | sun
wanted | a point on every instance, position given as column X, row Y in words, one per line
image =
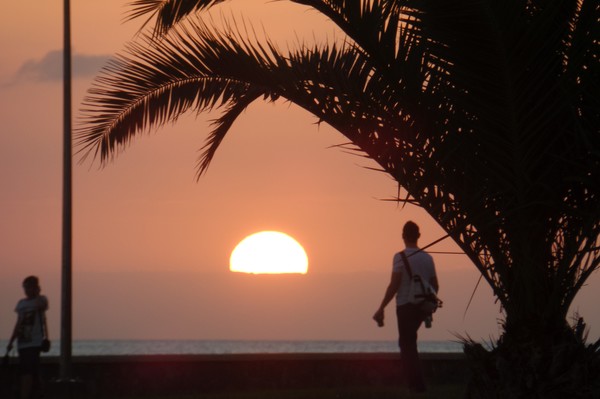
column 268, row 252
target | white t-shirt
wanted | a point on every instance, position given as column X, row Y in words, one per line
column 31, row 312
column 421, row 263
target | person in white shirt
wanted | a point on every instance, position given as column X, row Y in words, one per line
column 409, row 315
column 30, row 330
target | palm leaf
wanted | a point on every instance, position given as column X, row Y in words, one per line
column 167, row 12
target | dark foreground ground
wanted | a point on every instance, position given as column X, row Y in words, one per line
column 265, row 376
column 434, row 392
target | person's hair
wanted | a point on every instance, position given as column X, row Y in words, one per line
column 31, row 280
column 410, row 232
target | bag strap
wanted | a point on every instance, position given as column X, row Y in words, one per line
column 406, row 264
column 410, row 274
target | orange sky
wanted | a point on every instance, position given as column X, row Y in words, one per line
column 151, row 244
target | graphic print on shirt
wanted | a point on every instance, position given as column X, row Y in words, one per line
column 27, row 325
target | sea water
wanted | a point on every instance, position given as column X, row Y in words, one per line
column 218, row 347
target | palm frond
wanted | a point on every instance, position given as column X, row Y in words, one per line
column 167, row 12
column 223, row 124
column 155, row 82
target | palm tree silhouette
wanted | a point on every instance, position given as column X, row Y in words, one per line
column 486, row 113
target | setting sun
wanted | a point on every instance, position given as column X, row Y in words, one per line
column 268, row 252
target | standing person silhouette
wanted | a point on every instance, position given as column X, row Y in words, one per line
column 409, row 316
column 30, row 329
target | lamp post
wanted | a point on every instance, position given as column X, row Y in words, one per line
column 66, row 286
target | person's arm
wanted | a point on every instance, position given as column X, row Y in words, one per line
column 390, row 292
column 433, row 281
column 42, row 302
column 45, row 327
column 14, row 335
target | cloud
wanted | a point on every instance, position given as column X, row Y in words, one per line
column 49, row 67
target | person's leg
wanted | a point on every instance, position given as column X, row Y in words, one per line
column 26, row 386
column 409, row 320
column 29, row 360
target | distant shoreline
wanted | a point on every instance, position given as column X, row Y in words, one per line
column 227, row 347
column 252, row 357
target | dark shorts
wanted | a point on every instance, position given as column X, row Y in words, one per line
column 29, row 360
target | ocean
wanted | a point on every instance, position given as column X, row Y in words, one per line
column 217, row 347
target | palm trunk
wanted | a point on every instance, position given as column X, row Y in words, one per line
column 540, row 358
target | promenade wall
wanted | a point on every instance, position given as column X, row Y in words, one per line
column 115, row 376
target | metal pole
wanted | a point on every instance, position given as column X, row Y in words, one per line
column 66, row 288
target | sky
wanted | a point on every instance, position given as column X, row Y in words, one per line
column 151, row 244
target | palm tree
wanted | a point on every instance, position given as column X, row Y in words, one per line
column 486, row 113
